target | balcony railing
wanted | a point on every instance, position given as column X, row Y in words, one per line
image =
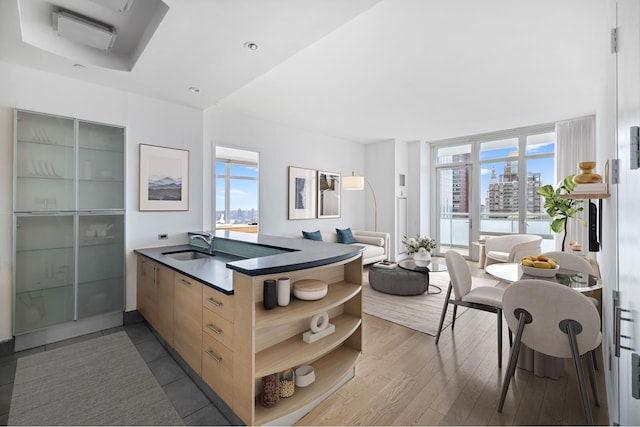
column 454, row 227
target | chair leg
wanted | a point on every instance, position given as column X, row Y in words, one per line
column 444, row 312
column 513, row 359
column 455, row 314
column 592, row 378
column 510, row 338
column 595, row 361
column 575, row 352
column 499, row 312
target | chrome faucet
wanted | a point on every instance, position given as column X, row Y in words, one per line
column 207, row 238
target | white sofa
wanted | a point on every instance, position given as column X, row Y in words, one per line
column 511, row 248
column 375, row 244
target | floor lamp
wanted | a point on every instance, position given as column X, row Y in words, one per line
column 356, row 182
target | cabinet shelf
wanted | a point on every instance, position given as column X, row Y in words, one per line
column 294, row 351
column 586, row 196
column 39, row 287
column 111, row 150
column 46, row 177
column 47, row 143
column 337, row 294
column 329, row 371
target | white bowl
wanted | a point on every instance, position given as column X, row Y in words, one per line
column 310, row 289
column 305, row 375
column 539, row 272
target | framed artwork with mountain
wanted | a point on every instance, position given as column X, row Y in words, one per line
column 164, row 178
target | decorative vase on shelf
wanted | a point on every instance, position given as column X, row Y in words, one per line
column 586, row 175
column 422, row 260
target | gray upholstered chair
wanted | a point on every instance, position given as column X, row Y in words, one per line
column 555, row 320
column 486, row 298
column 511, row 248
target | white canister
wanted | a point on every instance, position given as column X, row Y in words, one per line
column 284, row 291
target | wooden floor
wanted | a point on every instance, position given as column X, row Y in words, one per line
column 403, row 378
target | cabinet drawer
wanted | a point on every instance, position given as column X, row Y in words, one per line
column 187, row 320
column 217, row 368
column 217, row 327
column 218, row 302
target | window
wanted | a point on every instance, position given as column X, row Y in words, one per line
column 236, row 189
column 500, row 173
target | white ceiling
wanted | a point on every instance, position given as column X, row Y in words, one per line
column 364, row 70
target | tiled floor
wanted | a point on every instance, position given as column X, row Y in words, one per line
column 193, row 406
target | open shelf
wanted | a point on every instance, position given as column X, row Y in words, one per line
column 338, row 293
column 294, row 351
column 329, row 370
column 586, row 196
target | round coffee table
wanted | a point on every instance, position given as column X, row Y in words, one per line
column 404, row 279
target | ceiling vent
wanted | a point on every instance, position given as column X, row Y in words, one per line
column 84, row 30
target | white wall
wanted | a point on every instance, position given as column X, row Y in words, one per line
column 279, row 148
column 147, row 120
column 380, row 172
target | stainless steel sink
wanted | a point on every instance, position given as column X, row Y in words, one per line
column 187, row 255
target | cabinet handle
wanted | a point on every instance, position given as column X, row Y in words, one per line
column 155, row 276
column 214, row 356
column 214, row 302
column 143, row 265
column 214, row 329
column 185, row 282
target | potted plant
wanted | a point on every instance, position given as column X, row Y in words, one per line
column 421, row 247
column 560, row 209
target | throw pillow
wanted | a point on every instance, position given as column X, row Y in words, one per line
column 312, row 235
column 345, row 236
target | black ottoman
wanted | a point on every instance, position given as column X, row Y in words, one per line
column 398, row 281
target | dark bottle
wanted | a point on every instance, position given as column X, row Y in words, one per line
column 270, row 295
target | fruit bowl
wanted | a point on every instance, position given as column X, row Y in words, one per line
column 539, row 272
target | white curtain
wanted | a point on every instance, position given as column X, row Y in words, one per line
column 575, row 142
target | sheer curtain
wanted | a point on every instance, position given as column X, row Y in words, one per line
column 575, row 142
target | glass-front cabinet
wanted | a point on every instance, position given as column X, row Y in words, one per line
column 69, row 222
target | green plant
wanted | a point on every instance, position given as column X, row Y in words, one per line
column 559, row 208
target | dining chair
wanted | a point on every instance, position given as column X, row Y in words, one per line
column 576, row 263
column 555, row 320
column 485, row 298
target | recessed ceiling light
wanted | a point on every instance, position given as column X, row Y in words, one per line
column 251, row 45
column 194, row 89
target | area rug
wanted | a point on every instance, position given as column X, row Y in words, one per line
column 102, row 381
column 419, row 312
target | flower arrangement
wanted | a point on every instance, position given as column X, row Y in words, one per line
column 419, row 244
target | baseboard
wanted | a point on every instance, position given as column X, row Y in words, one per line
column 7, row 348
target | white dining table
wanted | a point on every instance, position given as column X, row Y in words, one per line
column 510, row 272
column 541, row 364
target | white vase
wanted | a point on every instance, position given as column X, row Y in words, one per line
column 422, row 260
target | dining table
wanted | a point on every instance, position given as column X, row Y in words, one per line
column 540, row 364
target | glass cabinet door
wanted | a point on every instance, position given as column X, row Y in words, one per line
column 100, row 166
column 45, row 163
column 100, row 264
column 44, row 271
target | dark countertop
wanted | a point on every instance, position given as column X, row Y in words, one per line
column 217, row 270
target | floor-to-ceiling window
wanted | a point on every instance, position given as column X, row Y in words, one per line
column 237, row 195
column 486, row 186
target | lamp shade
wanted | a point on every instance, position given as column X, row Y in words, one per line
column 353, row 182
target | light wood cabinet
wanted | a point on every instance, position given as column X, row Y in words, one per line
column 270, row 341
column 218, row 342
column 217, row 367
column 231, row 341
column 187, row 320
column 155, row 296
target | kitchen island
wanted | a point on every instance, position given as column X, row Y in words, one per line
column 210, row 311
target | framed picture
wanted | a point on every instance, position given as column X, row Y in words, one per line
column 328, row 194
column 164, row 179
column 302, row 193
